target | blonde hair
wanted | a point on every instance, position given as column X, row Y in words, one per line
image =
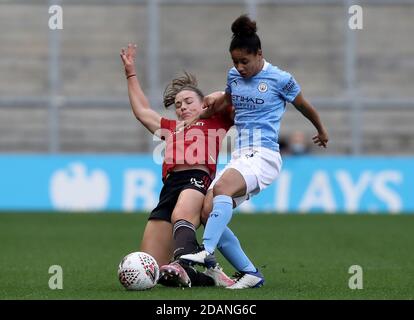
column 185, row 82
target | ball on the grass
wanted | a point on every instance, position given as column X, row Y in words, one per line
column 138, row 271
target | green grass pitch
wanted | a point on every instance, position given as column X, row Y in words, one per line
column 301, row 256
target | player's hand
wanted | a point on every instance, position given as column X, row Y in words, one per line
column 209, row 102
column 128, row 58
column 321, row 139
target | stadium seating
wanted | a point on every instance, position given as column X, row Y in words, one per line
column 308, row 41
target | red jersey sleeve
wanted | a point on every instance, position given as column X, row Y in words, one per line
column 168, row 125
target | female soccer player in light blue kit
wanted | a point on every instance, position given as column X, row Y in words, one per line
column 259, row 92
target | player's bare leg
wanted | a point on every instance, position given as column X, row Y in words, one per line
column 157, row 241
column 188, row 207
column 207, row 207
column 185, row 219
column 231, row 184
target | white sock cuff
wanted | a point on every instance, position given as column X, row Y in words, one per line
column 183, row 224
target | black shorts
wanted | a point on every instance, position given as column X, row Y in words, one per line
column 176, row 182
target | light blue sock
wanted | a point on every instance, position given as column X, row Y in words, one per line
column 217, row 221
column 231, row 249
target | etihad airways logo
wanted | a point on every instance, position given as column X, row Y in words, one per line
column 241, row 99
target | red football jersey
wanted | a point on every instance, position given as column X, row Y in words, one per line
column 199, row 143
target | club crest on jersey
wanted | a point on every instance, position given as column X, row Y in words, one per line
column 197, row 183
column 262, row 87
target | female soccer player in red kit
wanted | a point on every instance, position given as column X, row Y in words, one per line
column 188, row 168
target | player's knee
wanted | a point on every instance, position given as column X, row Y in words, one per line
column 192, row 217
column 221, row 188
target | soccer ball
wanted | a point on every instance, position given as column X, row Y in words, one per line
column 138, row 271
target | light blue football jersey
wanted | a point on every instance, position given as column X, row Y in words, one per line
column 260, row 103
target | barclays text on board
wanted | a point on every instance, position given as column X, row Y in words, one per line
column 132, row 183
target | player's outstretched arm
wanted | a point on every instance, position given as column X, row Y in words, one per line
column 139, row 102
column 321, row 139
column 215, row 102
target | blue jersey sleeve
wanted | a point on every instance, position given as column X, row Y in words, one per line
column 230, row 78
column 288, row 87
column 228, row 88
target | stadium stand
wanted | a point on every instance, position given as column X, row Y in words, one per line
column 306, row 40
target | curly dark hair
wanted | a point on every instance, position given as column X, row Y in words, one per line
column 244, row 35
column 185, row 82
